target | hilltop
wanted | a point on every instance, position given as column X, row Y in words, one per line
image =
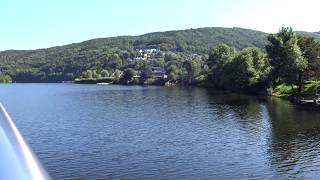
column 63, row 63
column 315, row 35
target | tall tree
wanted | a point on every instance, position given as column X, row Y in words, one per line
column 87, row 74
column 5, row 78
column 173, row 73
column 193, row 68
column 112, row 60
column 221, row 55
column 286, row 57
column 105, row 73
column 128, row 75
column 311, row 51
column 146, row 73
column 219, row 62
column 250, row 69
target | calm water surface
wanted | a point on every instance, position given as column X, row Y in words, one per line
column 133, row 132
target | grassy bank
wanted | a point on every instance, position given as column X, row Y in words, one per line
column 111, row 80
column 286, row 91
column 93, row 80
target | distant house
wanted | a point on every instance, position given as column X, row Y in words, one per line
column 152, row 61
column 129, row 60
column 139, row 58
column 137, row 76
column 123, row 51
column 146, row 54
column 158, row 72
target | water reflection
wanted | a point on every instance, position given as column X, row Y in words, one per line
column 289, row 134
column 134, row 132
column 247, row 112
column 294, row 146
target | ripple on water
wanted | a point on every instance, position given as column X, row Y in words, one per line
column 133, row 132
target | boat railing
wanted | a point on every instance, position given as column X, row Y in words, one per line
column 17, row 160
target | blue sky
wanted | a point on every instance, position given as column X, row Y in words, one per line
column 31, row 24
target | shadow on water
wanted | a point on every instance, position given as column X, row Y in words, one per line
column 246, row 107
column 134, row 132
column 295, row 140
column 245, row 111
column 290, row 135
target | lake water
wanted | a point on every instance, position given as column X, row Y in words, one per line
column 134, row 132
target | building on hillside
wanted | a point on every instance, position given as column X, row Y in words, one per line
column 158, row 72
column 140, row 58
column 129, row 60
column 146, row 54
column 152, row 61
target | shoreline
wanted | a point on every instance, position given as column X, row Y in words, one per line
column 290, row 98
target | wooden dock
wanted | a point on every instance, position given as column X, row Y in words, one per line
column 309, row 102
column 306, row 101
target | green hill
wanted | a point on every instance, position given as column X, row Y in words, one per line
column 63, row 63
column 192, row 40
column 315, row 35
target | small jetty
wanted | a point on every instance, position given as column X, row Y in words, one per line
column 103, row 83
column 310, row 100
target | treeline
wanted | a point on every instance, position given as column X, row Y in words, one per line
column 177, row 57
column 168, row 67
column 291, row 59
column 245, row 70
column 5, row 79
column 64, row 63
column 294, row 59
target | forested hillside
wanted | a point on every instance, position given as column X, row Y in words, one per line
column 315, row 35
column 115, row 54
column 67, row 62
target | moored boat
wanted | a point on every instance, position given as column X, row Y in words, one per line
column 103, row 83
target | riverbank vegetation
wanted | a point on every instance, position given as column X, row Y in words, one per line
column 290, row 65
column 246, row 70
column 295, row 62
column 287, row 91
column 5, row 78
column 65, row 63
column 228, row 59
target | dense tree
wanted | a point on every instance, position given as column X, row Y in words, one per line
column 311, row 51
column 105, row 73
column 96, row 75
column 219, row 62
column 193, row 68
column 113, row 61
column 146, row 73
column 159, row 63
column 171, row 56
column 221, row 55
column 117, row 74
column 204, row 73
column 246, row 70
column 87, row 74
column 250, row 70
column 53, row 64
column 173, row 73
column 286, row 58
column 5, row 78
column 128, row 75
column 184, row 56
